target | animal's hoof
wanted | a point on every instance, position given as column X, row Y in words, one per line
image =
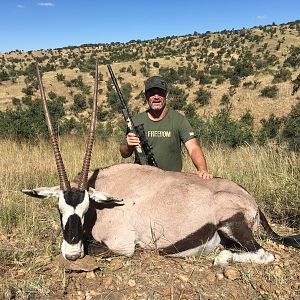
column 223, row 258
column 265, row 257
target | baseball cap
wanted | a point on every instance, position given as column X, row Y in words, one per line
column 155, row 81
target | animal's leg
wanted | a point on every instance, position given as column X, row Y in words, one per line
column 202, row 250
column 200, row 242
column 240, row 232
column 121, row 243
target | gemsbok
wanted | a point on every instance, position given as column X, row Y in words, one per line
column 177, row 214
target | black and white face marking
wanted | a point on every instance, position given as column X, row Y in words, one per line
column 73, row 206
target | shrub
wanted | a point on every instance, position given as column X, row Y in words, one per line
column 190, row 111
column 79, row 104
column 156, row 64
column 126, row 91
column 291, row 130
column 282, row 75
column 293, row 60
column 28, row 91
column 203, row 97
column 145, row 71
column 4, row 76
column 16, row 102
column 269, row 91
column 220, row 80
column 177, row 97
column 235, row 81
column 269, row 130
column 60, row 77
column 29, row 122
column 225, row 100
column 204, row 78
column 223, row 129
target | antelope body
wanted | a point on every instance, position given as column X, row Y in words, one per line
column 178, row 214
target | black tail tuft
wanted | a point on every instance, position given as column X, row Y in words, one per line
column 292, row 240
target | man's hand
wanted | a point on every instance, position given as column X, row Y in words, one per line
column 132, row 140
column 204, row 174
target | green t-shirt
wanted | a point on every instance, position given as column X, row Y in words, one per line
column 165, row 137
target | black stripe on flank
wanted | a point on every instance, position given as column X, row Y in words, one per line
column 240, row 231
column 73, row 232
column 191, row 241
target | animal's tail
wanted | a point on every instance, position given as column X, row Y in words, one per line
column 291, row 240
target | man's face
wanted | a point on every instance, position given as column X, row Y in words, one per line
column 156, row 98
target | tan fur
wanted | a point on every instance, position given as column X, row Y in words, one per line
column 161, row 208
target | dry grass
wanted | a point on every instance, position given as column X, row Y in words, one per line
column 28, row 227
column 270, row 173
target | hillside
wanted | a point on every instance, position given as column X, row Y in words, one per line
column 206, row 72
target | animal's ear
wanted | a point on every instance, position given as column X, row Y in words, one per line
column 43, row 192
column 101, row 197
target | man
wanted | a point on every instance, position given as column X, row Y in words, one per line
column 165, row 130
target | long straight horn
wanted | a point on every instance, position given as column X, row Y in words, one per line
column 63, row 179
column 88, row 153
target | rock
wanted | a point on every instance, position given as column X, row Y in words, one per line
column 211, row 278
column 277, row 271
column 131, row 283
column 86, row 264
column 116, row 264
column 90, row 275
column 231, row 273
column 107, row 282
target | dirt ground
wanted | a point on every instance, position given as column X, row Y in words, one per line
column 147, row 276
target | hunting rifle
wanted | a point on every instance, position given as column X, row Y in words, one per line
column 144, row 155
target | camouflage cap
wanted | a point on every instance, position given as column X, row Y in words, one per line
column 155, row 81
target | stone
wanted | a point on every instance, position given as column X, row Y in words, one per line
column 86, row 264
column 231, row 273
column 116, row 264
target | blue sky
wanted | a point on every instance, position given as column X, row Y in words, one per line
column 43, row 24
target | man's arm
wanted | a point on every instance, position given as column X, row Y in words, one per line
column 127, row 149
column 198, row 158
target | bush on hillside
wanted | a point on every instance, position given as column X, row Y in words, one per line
column 177, row 97
column 291, row 130
column 224, row 130
column 203, row 97
column 270, row 129
column 29, row 122
column 4, row 76
column 269, row 92
column 282, row 75
column 79, row 104
column 225, row 99
column 293, row 60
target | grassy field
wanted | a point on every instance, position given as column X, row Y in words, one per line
column 28, row 227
